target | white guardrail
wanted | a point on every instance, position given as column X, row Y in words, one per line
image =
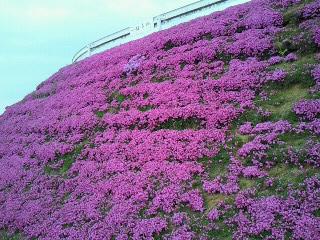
column 157, row 23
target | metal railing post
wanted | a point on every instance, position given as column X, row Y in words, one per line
column 89, row 50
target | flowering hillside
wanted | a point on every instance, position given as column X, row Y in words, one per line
column 208, row 130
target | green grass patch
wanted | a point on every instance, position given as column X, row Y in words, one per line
column 241, row 139
column 50, row 171
column 299, row 72
column 261, row 236
column 197, row 219
column 116, row 96
column 245, row 183
column 213, row 200
column 292, row 16
column 295, row 140
column 216, row 166
column 113, row 110
column 284, row 176
column 182, row 65
column 65, row 198
column 281, row 104
column 159, row 79
column 100, row 114
column 145, row 95
column 223, row 230
column 68, row 160
column 120, row 98
column 225, row 57
column 287, row 174
column 248, row 116
column 180, row 124
column 145, row 108
column 237, row 141
column 206, row 36
column 317, row 213
column 217, row 76
column 168, row 45
column 286, row 40
column 4, row 235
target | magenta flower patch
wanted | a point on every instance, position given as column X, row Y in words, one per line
column 189, row 133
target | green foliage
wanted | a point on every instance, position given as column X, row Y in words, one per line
column 117, row 97
column 100, row 114
column 217, row 165
column 120, row 98
column 240, row 140
column 294, row 88
column 291, row 175
column 4, row 235
column 180, row 124
column 146, row 108
column 168, row 45
column 248, row 116
column 212, row 200
column 182, row 65
column 281, row 103
column 294, row 39
column 159, row 78
column 206, row 36
column 145, row 95
column 284, row 175
column 68, row 159
column 226, row 58
column 292, row 16
column 223, row 230
column 295, row 140
column 113, row 110
column 299, row 72
column 317, row 213
column 245, row 183
column 261, row 236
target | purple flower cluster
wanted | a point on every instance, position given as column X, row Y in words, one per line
column 280, row 216
column 213, row 215
column 291, row 57
column 316, row 73
column 265, row 135
column 278, row 75
column 312, row 10
column 285, row 3
column 275, row 60
column 317, row 36
column 116, row 146
column 253, row 171
column 313, row 153
column 133, row 64
column 307, row 109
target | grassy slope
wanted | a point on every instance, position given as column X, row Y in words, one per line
column 280, row 104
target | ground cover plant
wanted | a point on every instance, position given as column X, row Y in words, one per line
column 208, row 130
